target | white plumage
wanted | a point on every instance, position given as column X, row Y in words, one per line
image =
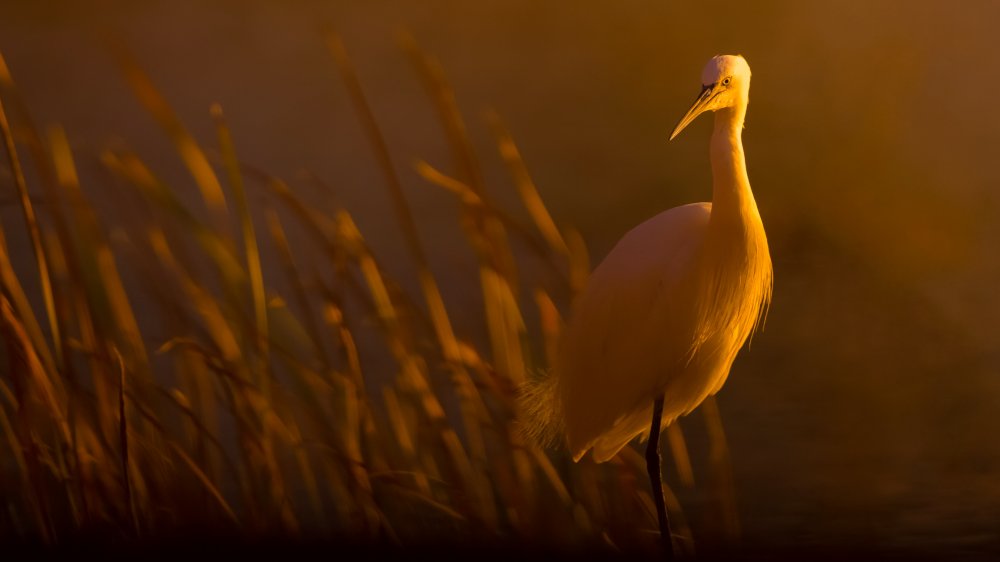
column 666, row 312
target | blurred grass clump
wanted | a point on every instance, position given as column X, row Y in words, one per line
column 252, row 410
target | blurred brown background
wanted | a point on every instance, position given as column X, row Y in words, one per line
column 866, row 410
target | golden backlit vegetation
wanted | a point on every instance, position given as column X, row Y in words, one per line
column 251, row 409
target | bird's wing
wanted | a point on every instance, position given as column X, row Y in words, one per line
column 629, row 325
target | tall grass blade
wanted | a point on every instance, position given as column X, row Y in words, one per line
column 294, row 278
column 432, row 294
column 525, row 186
column 51, row 393
column 95, row 254
column 679, row 451
column 31, row 220
column 123, row 443
column 250, row 243
column 206, row 481
column 190, row 152
column 138, row 174
column 722, row 469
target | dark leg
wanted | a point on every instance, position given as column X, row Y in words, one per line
column 656, row 479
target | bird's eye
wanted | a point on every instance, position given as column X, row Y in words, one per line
column 726, row 81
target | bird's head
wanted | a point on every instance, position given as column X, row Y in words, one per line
column 724, row 83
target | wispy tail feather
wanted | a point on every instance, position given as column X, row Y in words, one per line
column 539, row 410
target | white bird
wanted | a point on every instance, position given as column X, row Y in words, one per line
column 662, row 318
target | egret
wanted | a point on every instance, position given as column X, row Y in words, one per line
column 661, row 319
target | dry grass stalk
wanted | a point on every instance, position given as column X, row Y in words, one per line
column 259, row 417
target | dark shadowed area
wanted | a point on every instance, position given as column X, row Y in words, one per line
column 866, row 410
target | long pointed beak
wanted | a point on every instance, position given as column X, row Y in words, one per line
column 699, row 106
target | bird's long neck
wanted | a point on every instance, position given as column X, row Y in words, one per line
column 737, row 284
column 731, row 195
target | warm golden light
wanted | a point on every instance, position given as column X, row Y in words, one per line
column 262, row 279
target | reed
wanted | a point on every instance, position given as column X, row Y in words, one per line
column 257, row 413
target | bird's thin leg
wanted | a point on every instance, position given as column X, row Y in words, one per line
column 656, row 478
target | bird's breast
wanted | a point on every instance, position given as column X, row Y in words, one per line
column 734, row 285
